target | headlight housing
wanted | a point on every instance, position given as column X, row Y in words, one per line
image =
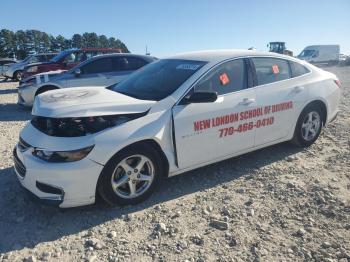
column 80, row 126
column 62, row 156
column 32, row 69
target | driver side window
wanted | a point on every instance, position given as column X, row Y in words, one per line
column 225, row 78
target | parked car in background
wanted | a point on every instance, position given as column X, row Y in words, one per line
column 15, row 70
column 6, row 61
column 171, row 116
column 321, row 54
column 66, row 60
column 98, row 71
column 342, row 57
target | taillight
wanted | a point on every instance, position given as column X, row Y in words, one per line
column 338, row 83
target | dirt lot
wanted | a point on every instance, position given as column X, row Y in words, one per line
column 278, row 204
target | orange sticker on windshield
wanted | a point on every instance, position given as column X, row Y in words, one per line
column 224, row 80
column 275, row 69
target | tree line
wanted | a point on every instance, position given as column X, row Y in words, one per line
column 21, row 43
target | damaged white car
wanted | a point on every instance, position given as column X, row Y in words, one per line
column 171, row 116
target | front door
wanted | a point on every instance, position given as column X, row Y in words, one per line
column 94, row 73
column 208, row 131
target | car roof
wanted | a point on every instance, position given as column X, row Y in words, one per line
column 99, row 49
column 146, row 57
column 53, row 53
column 220, row 55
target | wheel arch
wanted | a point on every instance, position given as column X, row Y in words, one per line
column 317, row 101
column 145, row 142
column 323, row 106
column 16, row 70
column 45, row 87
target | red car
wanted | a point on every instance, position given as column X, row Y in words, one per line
column 66, row 60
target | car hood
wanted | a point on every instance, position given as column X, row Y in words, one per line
column 51, row 75
column 38, row 63
column 87, row 101
column 16, row 65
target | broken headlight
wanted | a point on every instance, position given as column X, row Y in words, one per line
column 62, row 156
column 80, row 126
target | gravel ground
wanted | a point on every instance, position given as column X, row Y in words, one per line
column 277, row 204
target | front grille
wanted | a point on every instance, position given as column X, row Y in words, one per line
column 20, row 168
column 23, row 145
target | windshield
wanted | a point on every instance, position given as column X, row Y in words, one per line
column 60, row 56
column 159, row 79
column 306, row 53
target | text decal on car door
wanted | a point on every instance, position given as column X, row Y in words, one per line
column 241, row 116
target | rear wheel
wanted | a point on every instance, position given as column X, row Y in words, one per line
column 18, row 75
column 131, row 176
column 309, row 126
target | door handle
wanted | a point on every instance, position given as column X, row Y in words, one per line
column 247, row 101
column 298, row 89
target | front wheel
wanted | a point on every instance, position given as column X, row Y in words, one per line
column 131, row 176
column 309, row 126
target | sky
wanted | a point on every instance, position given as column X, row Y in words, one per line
column 174, row 26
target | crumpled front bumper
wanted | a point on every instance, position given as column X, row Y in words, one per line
column 61, row 184
column 26, row 95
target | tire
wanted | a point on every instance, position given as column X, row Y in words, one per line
column 309, row 126
column 122, row 172
column 17, row 75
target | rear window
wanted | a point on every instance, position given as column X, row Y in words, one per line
column 60, row 56
column 269, row 70
column 134, row 63
column 298, row 69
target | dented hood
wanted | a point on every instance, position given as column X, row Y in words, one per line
column 87, row 101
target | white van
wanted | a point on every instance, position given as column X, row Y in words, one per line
column 321, row 54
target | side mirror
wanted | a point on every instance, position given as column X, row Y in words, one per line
column 77, row 72
column 201, row 97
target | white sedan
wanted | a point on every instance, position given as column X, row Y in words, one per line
column 172, row 116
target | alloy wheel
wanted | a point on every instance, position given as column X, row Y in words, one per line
column 132, row 176
column 311, row 125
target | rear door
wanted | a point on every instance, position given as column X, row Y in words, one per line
column 208, row 131
column 278, row 96
column 122, row 67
